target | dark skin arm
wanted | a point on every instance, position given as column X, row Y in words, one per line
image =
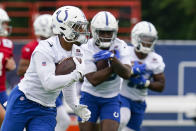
column 23, row 65
column 2, row 114
column 10, row 64
column 158, row 84
column 122, row 70
column 96, row 78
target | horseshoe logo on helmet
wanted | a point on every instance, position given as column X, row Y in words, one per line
column 57, row 16
column 116, row 114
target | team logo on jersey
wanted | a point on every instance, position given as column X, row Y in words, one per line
column 43, row 63
column 116, row 114
column 7, row 43
column 27, row 49
column 154, row 60
column 50, row 44
column 22, row 98
column 78, row 52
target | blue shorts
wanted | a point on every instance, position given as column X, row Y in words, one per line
column 105, row 108
column 59, row 100
column 3, row 97
column 137, row 112
column 21, row 112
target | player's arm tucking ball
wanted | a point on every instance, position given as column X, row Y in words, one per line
column 158, row 83
column 69, row 65
column 123, row 70
column 45, row 68
column 96, row 78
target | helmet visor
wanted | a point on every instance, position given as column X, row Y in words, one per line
column 147, row 39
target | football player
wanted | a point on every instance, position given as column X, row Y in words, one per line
column 151, row 76
column 32, row 103
column 6, row 54
column 100, row 89
column 43, row 30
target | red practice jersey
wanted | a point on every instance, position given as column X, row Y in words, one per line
column 28, row 49
column 6, row 51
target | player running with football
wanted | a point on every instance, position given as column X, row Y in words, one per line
column 32, row 103
column 151, row 76
column 7, row 62
column 43, row 30
column 106, row 60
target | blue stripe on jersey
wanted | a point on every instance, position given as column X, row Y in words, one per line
column 106, row 15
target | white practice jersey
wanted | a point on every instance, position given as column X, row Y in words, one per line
column 154, row 65
column 40, row 83
column 110, row 87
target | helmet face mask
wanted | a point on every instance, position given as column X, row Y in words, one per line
column 144, row 37
column 146, row 43
column 79, row 32
column 71, row 23
column 104, row 28
column 5, row 29
column 105, row 38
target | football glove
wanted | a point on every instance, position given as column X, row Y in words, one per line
column 80, row 68
column 140, row 82
column 138, row 69
column 82, row 111
column 105, row 54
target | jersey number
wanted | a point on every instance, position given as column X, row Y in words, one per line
column 1, row 63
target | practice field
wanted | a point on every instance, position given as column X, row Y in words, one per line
column 170, row 109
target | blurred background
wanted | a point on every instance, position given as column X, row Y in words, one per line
column 175, row 21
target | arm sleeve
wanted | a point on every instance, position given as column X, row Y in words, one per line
column 124, row 55
column 70, row 95
column 45, row 69
column 160, row 67
column 89, row 64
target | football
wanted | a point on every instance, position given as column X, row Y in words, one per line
column 66, row 66
column 101, row 64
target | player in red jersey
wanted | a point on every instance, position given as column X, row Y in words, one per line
column 43, row 30
column 42, row 27
column 7, row 62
